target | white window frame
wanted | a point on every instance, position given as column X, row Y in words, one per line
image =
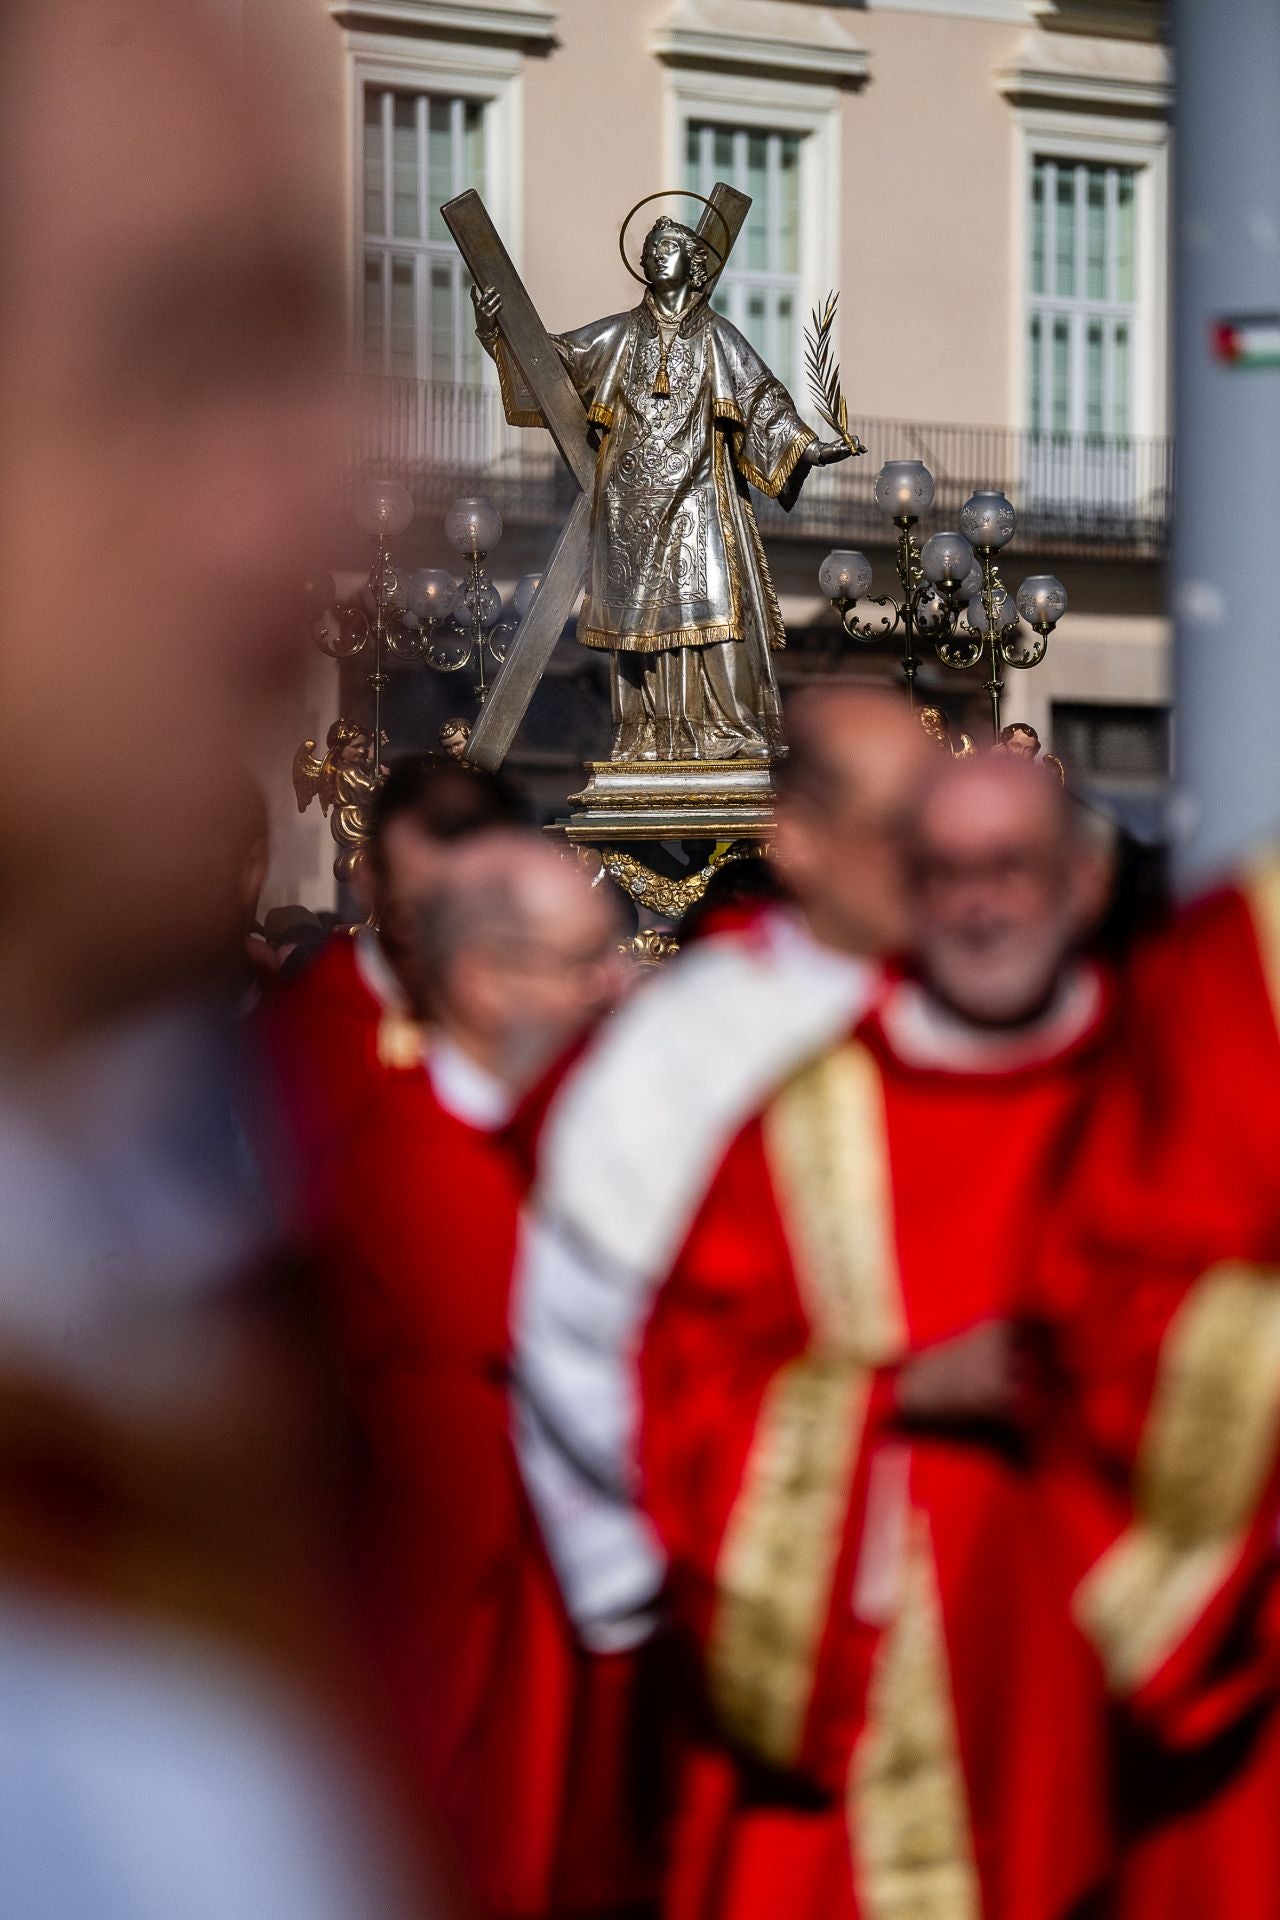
column 1086, row 139
column 491, row 75
column 773, row 106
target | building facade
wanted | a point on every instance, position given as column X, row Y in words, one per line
column 984, row 181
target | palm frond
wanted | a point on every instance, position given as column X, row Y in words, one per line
column 823, row 371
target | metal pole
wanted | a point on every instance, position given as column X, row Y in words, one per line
column 1227, row 528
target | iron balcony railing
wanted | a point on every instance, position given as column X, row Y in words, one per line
column 1072, row 492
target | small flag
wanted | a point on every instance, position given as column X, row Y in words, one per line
column 1247, row 340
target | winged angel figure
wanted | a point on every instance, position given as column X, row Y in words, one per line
column 344, row 781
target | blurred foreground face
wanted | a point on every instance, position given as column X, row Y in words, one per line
column 163, row 427
column 524, row 953
column 1002, row 887
column 860, row 757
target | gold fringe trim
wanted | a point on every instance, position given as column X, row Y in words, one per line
column 1206, row 1455
column 772, row 484
column 728, row 410
column 908, row 1809
column 599, row 416
column 825, row 1139
column 657, row 642
column 724, row 507
column 777, row 1565
column 773, row 608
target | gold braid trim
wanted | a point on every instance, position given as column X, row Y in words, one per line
column 517, row 416
column 778, row 1562
column 825, row 1135
column 1262, row 894
column 772, row 607
column 908, row 1809
column 694, row 636
column 825, row 1139
column 1206, row 1455
column 773, row 483
column 724, row 507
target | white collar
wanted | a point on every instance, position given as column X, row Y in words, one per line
column 376, row 971
column 921, row 1032
column 465, row 1089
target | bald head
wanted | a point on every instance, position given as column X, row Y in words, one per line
column 516, row 952
column 856, row 760
column 1004, row 881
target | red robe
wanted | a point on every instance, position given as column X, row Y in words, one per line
column 329, row 1038
column 907, row 1722
column 1173, row 1223
column 515, row 1735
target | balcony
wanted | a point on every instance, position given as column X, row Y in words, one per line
column 1093, row 497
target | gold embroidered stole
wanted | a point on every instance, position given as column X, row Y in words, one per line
column 1206, row 1455
column 1261, row 889
column 824, row 1136
column 908, row 1810
column 828, row 1157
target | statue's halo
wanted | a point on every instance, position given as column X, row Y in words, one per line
column 679, row 193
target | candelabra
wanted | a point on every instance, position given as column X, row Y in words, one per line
column 425, row 616
column 951, row 594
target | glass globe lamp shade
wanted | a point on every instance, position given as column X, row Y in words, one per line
column 1042, row 600
column 971, row 584
column 525, row 589
column 473, row 526
column 988, row 520
column 1005, row 611
column 946, row 559
column 382, row 508
column 431, row 594
column 845, row 574
column 904, row 489
column 932, row 613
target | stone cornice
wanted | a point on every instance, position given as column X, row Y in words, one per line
column 1074, row 71
column 758, row 36
column 508, row 22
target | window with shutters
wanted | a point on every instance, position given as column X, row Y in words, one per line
column 760, row 290
column 419, row 150
column 1083, row 318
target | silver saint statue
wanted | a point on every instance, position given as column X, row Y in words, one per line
column 678, row 589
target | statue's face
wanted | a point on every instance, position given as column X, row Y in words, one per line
column 1022, row 744
column 665, row 262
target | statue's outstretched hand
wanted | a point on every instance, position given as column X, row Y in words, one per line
column 488, row 305
column 825, row 453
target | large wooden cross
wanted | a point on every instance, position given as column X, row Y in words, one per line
column 533, row 349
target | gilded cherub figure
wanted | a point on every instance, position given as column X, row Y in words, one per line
column 344, row 782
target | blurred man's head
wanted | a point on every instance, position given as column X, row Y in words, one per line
column 1006, row 878
column 166, row 331
column 856, row 757
column 424, row 809
column 516, row 954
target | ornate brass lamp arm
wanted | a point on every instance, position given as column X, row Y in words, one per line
column 866, row 629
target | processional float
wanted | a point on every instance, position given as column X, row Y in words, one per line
column 681, row 418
